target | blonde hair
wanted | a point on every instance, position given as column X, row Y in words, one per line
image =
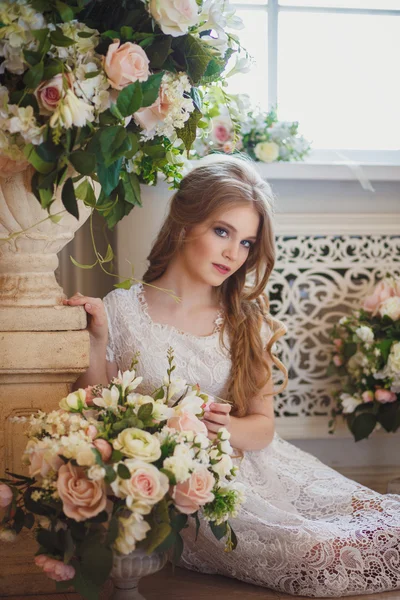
column 221, row 182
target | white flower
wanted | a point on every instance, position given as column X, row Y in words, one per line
column 391, row 308
column 24, row 122
column 394, row 359
column 72, row 111
column 128, row 381
column 267, row 151
column 176, row 386
column 202, row 440
column 225, row 447
column 349, row 403
column 96, row 473
column 109, row 398
column 137, row 443
column 343, row 320
column 365, row 334
column 130, row 530
column 191, row 404
column 178, row 467
column 174, row 16
column 7, row 535
column 74, row 401
column 223, row 466
column 161, row 412
column 224, row 434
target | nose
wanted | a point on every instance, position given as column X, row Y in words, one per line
column 231, row 251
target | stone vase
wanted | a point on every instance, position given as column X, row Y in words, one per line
column 128, row 569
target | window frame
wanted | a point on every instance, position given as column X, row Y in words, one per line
column 273, row 8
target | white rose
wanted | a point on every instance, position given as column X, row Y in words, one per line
column 391, row 308
column 267, row 151
column 74, row 401
column 96, row 473
column 137, row 443
column 394, row 358
column 223, row 466
column 145, row 487
column 349, row 403
column 174, row 16
column 130, row 530
column 365, row 334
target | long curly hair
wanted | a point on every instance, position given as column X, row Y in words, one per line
column 220, row 183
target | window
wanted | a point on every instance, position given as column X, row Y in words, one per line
column 330, row 64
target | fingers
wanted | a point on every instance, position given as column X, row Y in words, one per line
column 217, row 407
column 79, row 300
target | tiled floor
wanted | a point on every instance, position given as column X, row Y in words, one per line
column 188, row 585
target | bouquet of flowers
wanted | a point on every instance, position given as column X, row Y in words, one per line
column 230, row 124
column 367, row 359
column 113, row 470
column 107, row 90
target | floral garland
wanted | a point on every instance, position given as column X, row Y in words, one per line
column 113, row 470
column 108, row 90
column 366, row 357
column 230, row 125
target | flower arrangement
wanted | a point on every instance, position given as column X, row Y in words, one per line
column 108, row 90
column 367, row 358
column 230, row 125
column 113, row 470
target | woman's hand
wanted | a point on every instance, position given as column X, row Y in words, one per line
column 97, row 322
column 216, row 417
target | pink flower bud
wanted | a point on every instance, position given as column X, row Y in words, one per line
column 55, row 569
column 104, row 448
column 367, row 396
column 338, row 343
column 385, row 396
column 6, row 495
column 337, row 360
column 92, row 431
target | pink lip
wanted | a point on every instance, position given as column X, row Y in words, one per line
column 223, row 271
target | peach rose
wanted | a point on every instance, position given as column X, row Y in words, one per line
column 148, row 117
column 125, row 64
column 338, row 343
column 11, row 167
column 174, row 16
column 337, row 360
column 6, row 495
column 189, row 495
column 104, row 448
column 82, row 498
column 42, row 459
column 382, row 292
column 385, row 396
column 187, row 422
column 49, row 93
column 221, row 130
column 55, row 569
column 367, row 396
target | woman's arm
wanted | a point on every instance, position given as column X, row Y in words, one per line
column 252, row 432
column 100, row 370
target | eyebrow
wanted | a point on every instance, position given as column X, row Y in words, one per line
column 229, row 226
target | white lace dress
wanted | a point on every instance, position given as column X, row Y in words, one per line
column 304, row 529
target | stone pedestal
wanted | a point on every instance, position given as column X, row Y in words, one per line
column 43, row 350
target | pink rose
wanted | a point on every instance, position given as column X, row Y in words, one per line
column 189, row 495
column 337, row 360
column 385, row 396
column 382, row 292
column 49, row 93
column 125, row 64
column 55, row 569
column 222, row 130
column 338, row 343
column 42, row 459
column 104, row 448
column 147, row 118
column 82, row 498
column 6, row 495
column 92, row 432
column 11, row 167
column 89, row 395
column 367, row 396
column 187, row 422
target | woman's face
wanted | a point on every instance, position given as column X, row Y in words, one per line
column 217, row 248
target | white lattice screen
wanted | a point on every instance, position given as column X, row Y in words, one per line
column 325, row 265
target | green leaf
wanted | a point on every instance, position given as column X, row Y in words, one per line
column 155, row 151
column 131, row 185
column 116, row 456
column 57, row 38
column 83, row 584
column 69, row 546
column 66, row 12
column 189, row 131
column 92, row 74
column 170, row 475
column 109, row 176
column 123, row 471
column 124, row 285
column 85, row 192
column 160, row 527
column 150, row 88
column 196, row 516
column 80, row 265
column 130, row 99
column 363, row 425
column 97, row 563
column 112, row 532
column 158, row 52
column 350, row 349
column 34, row 159
column 384, row 347
column 84, row 162
column 34, row 76
column 194, row 54
column 69, row 199
column 52, row 68
column 29, row 520
column 219, row 530
column 145, row 411
column 110, row 474
column 178, row 549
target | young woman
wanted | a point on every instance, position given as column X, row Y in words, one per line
column 304, row 529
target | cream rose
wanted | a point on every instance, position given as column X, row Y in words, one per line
column 387, row 288
column 137, row 443
column 131, row 529
column 394, row 358
column 42, row 458
column 145, row 487
column 194, row 492
column 223, row 466
column 124, row 64
column 391, row 308
column 75, row 401
column 187, row 422
column 365, row 334
column 82, row 498
column 267, row 151
column 174, row 16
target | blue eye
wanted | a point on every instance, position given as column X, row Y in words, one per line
column 218, row 231
column 249, row 244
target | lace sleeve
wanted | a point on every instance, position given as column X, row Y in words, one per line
column 110, row 304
